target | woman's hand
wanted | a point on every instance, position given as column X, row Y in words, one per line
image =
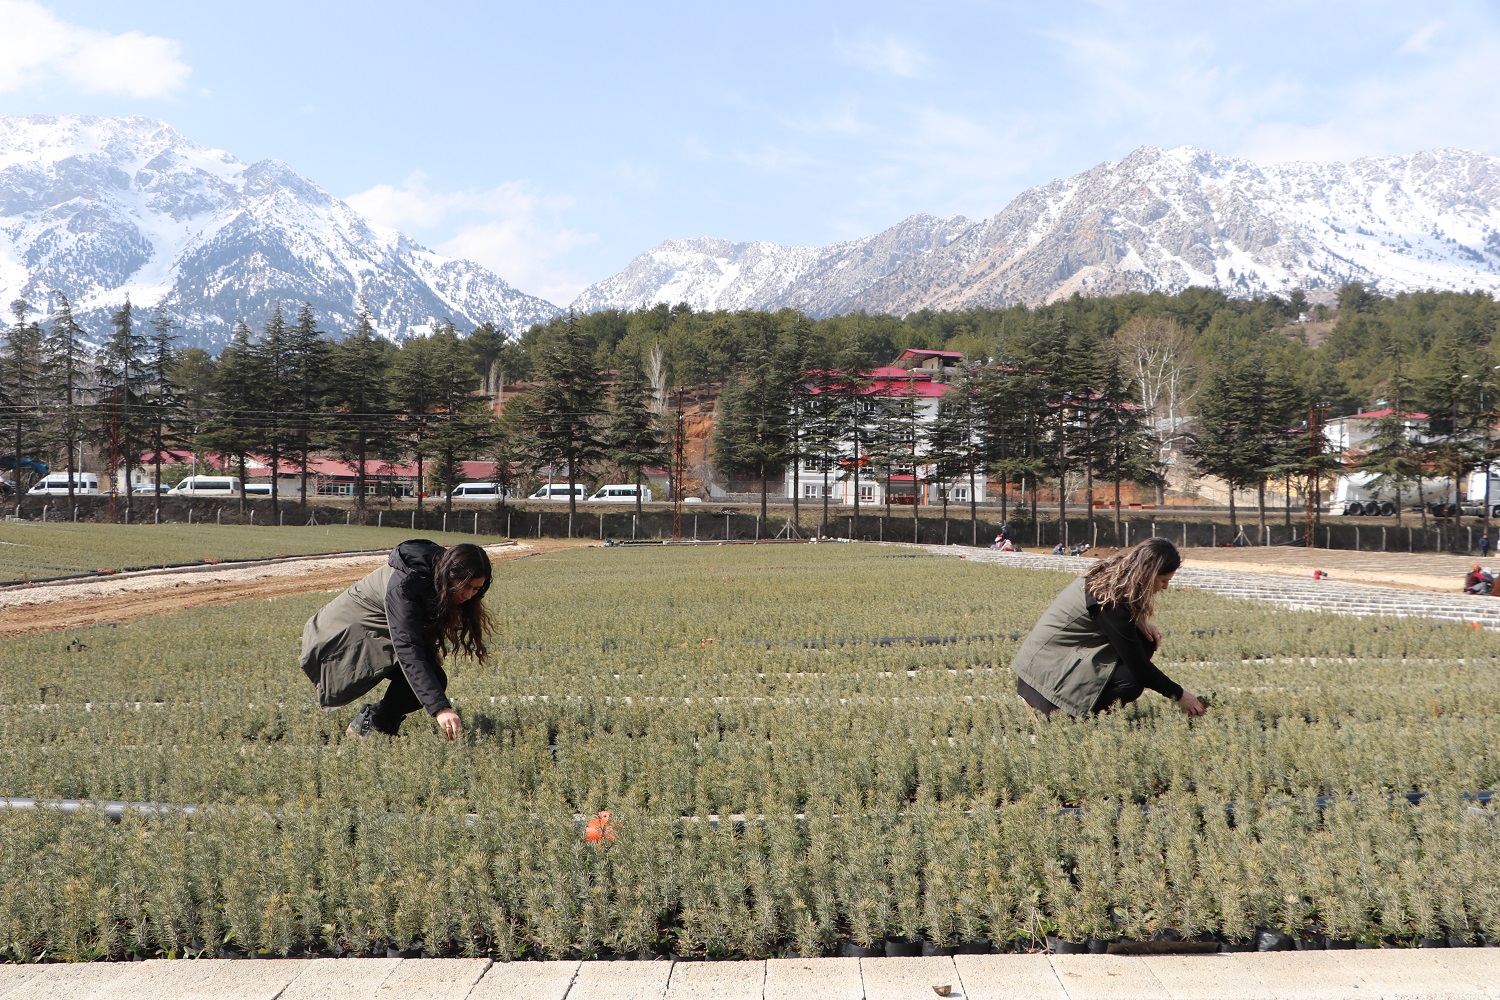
column 1190, row 704
column 452, row 726
column 1153, row 635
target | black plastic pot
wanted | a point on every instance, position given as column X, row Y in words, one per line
column 1097, row 946
column 980, row 947
column 1344, row 945
column 902, row 948
column 1238, row 946
column 1313, row 942
column 1269, row 940
column 1441, row 942
column 849, row 949
column 1060, row 947
column 930, row 950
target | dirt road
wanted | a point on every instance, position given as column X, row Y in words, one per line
column 27, row 610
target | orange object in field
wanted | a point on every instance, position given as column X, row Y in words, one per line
column 599, row 828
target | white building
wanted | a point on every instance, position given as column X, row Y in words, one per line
column 925, row 375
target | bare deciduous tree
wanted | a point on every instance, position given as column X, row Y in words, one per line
column 1155, row 350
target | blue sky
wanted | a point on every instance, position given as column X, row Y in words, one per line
column 554, row 142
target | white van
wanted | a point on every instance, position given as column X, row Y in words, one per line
column 56, row 484
column 257, row 489
column 621, row 493
column 475, row 491
column 208, row 486
column 559, row 491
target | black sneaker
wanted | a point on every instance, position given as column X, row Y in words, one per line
column 364, row 723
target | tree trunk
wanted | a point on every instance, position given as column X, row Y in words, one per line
column 572, row 496
column 765, row 486
column 1118, row 532
column 421, row 490
column 973, row 508
column 1233, row 524
column 638, row 484
column 1260, row 496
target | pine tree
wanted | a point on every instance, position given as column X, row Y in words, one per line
column 1224, row 445
column 751, row 430
column 562, row 415
column 415, row 394
column 120, row 371
column 238, row 379
column 66, row 364
column 308, row 356
column 465, row 426
column 21, row 385
column 1123, row 449
column 358, row 388
column 633, row 440
column 164, row 400
column 275, row 366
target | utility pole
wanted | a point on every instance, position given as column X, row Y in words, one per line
column 679, row 467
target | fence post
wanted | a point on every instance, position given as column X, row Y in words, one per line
column 283, row 518
column 851, row 527
column 1184, row 534
column 881, row 530
column 1127, row 534
column 1356, row 538
column 1382, row 538
column 1328, row 536
column 190, row 513
column 348, row 516
column 1470, row 530
column 44, row 508
column 1213, row 535
column 695, row 527
column 633, row 526
column 219, row 516
column 413, row 520
column 445, row 522
column 380, row 519
column 601, row 527
column 507, row 525
column 476, row 522
column 727, row 517
column 1408, row 538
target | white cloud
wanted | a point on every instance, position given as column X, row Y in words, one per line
column 509, row 228
column 1421, row 40
column 886, row 55
column 35, row 46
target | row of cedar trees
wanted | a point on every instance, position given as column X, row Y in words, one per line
column 1069, row 417
column 290, row 392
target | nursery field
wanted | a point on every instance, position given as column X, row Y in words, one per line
column 31, row 550
column 803, row 749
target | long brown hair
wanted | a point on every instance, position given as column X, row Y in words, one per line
column 463, row 626
column 1129, row 578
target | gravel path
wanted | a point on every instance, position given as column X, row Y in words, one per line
column 1303, row 593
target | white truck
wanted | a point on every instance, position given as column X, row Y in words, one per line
column 1354, row 495
column 1482, row 486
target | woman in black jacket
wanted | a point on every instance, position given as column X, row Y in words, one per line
column 398, row 624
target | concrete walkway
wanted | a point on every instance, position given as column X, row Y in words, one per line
column 1368, row 975
column 1303, row 593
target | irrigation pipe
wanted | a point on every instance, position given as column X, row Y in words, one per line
column 116, row 810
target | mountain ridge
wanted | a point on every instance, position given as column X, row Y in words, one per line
column 1156, row 220
column 100, row 208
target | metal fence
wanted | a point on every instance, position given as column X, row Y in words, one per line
column 707, row 523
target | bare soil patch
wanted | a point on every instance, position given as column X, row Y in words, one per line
column 1413, row 571
column 27, row 610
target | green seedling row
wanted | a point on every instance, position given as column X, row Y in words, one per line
column 902, row 790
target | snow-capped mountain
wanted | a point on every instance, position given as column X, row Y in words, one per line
column 99, row 208
column 1156, row 220
column 711, row 273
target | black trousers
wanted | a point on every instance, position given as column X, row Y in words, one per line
column 1122, row 688
column 399, row 701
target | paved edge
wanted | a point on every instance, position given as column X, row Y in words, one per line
column 1460, row 972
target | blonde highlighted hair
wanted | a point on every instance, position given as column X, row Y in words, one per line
column 1129, row 578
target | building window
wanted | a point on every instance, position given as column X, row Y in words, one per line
column 866, row 491
column 814, row 491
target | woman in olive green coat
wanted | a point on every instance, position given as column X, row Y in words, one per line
column 1092, row 648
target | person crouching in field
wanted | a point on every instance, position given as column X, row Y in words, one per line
column 1092, row 648
column 398, row 624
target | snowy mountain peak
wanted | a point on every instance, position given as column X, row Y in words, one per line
column 1156, row 220
column 99, row 208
